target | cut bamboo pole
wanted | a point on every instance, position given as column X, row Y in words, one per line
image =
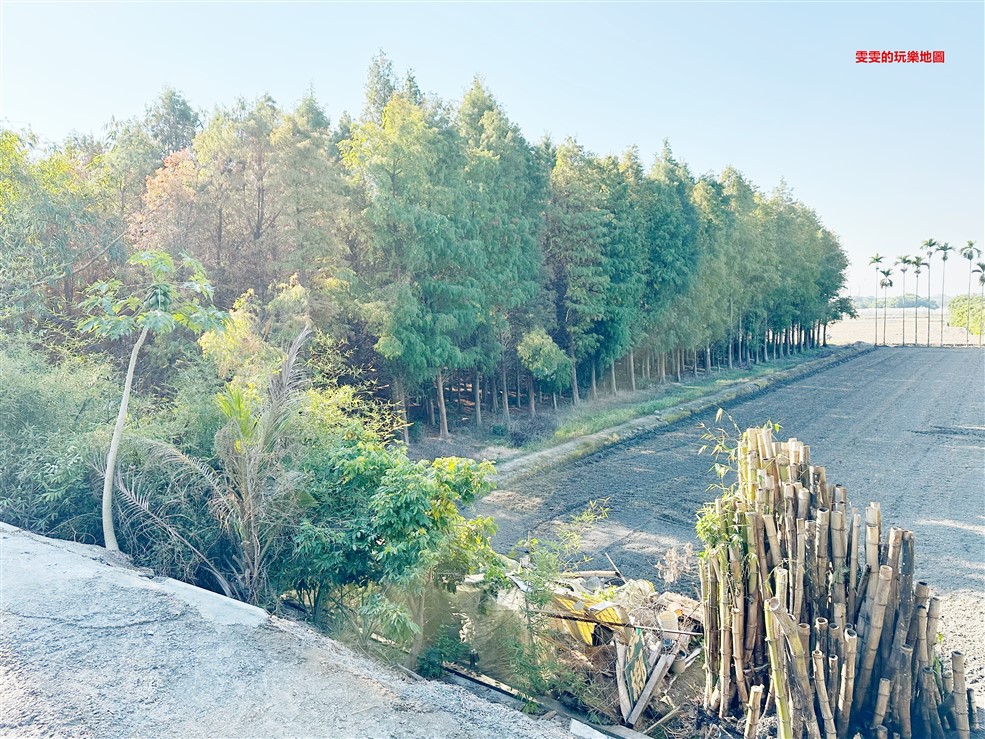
column 753, row 711
column 709, row 600
column 922, row 655
column 876, row 617
column 738, row 651
column 838, row 550
column 821, row 634
column 882, row 702
column 779, row 688
column 798, row 605
column 972, row 711
column 929, row 705
column 834, row 678
column 960, row 717
column 921, row 594
column 933, row 616
column 903, row 701
column 725, row 634
column 822, row 535
column 799, row 664
column 853, row 565
column 821, row 688
column 804, row 632
column 847, row 691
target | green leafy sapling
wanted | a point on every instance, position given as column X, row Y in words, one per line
column 167, row 297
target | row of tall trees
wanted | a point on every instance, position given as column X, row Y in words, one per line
column 434, row 239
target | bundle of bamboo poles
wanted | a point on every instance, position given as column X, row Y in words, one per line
column 812, row 613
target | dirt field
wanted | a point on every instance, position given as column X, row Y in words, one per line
column 905, row 427
column 863, row 328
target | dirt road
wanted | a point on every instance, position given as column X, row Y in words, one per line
column 905, row 427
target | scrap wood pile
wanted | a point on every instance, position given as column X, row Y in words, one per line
column 811, row 610
column 629, row 646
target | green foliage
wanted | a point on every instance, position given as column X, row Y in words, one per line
column 965, row 312
column 52, row 411
column 545, row 360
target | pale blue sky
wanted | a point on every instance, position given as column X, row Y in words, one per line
column 888, row 155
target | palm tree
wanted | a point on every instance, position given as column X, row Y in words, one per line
column 885, row 283
column 918, row 265
column 944, row 249
column 930, row 246
column 876, row 261
column 904, row 263
column 971, row 253
column 980, row 271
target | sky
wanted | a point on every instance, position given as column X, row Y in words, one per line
column 888, row 155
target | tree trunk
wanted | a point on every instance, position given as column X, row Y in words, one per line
column 506, row 393
column 594, row 387
column 431, row 418
column 442, row 413
column 632, row 366
column 554, row 401
column 574, row 380
column 398, row 400
column 708, row 358
column 678, row 362
column 663, row 367
column 612, row 373
column 493, row 394
column 476, row 386
column 531, row 397
column 109, row 532
column 518, row 386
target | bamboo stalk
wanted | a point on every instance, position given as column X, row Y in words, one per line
column 799, row 664
column 853, row 565
column 847, row 683
column 972, row 710
column 882, row 702
column 929, row 706
column 876, row 617
column 822, row 534
column 960, row 716
column 725, row 634
column 922, row 656
column 834, row 679
column 921, row 594
column 903, row 701
column 779, row 688
column 838, row 547
column 933, row 616
column 753, row 711
column 798, row 605
column 821, row 634
column 738, row 642
column 821, row 688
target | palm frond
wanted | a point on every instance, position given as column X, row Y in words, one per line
column 138, row 505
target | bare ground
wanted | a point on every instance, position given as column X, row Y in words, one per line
column 90, row 648
column 903, row 426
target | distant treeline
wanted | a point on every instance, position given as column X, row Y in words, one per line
column 897, row 301
column 433, row 239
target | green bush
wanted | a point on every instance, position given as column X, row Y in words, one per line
column 51, row 412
